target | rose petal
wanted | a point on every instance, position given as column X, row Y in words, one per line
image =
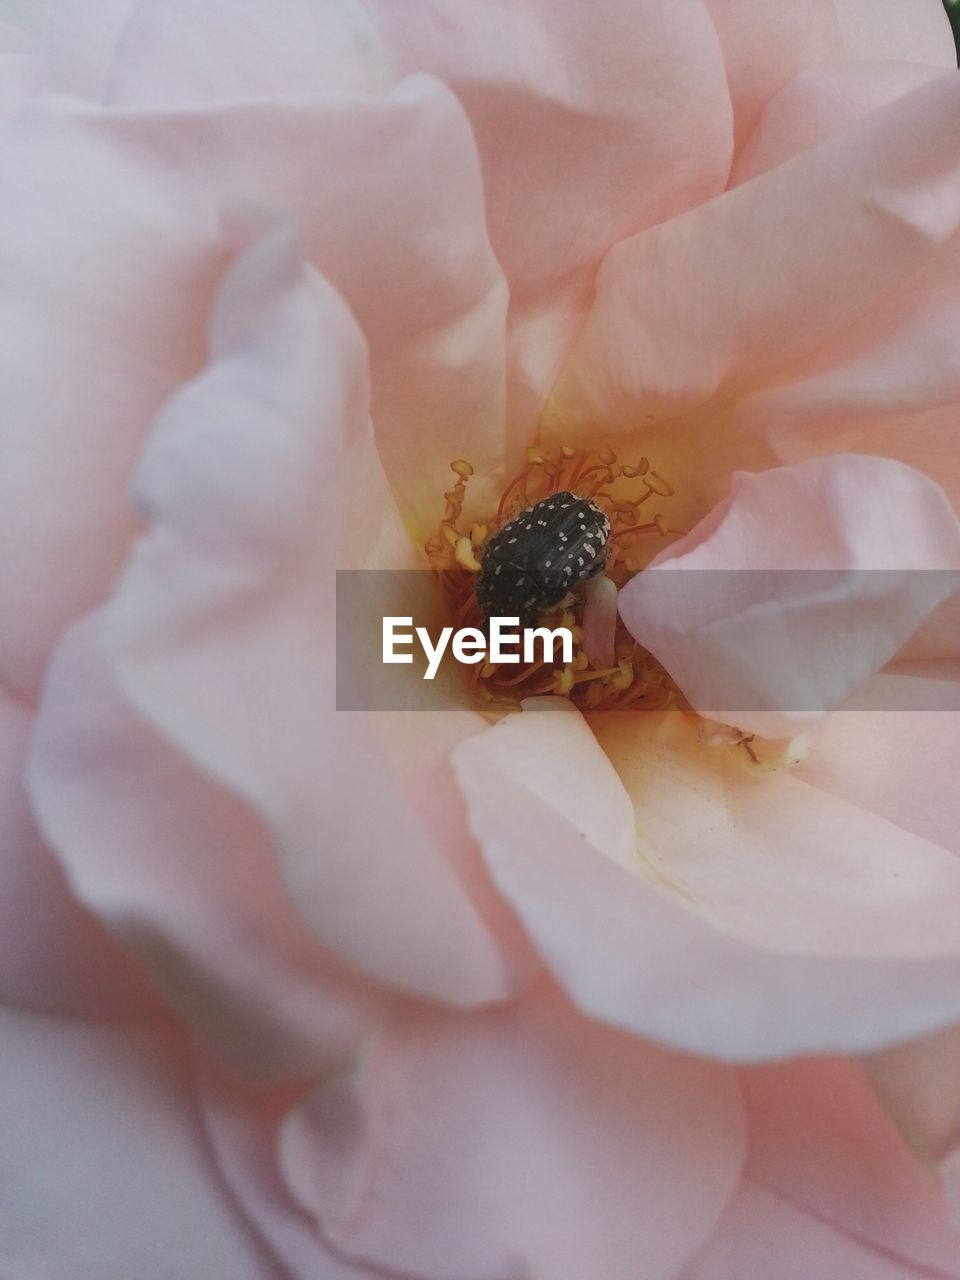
column 183, row 874
column 241, row 1124
column 885, row 29
column 829, row 1184
column 256, row 475
column 600, row 621
column 896, row 763
column 633, row 948
column 844, row 881
column 761, row 1235
column 19, row 70
column 554, row 90
column 889, row 387
column 78, row 39
column 820, row 1140
column 54, row 956
column 755, row 643
column 766, row 47
column 153, row 200
column 105, row 1170
column 820, row 102
column 185, row 52
column 574, row 1152
column 589, row 124
column 118, row 356
column 747, row 287
column 919, row 1084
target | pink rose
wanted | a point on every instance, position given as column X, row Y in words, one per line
column 671, row 994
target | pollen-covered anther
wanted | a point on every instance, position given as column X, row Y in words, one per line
column 563, row 681
column 608, row 540
column 463, row 553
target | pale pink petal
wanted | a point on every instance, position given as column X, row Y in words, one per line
column 919, row 1084
column 759, row 976
column 241, row 1125
column 762, row 1235
column 935, row 645
column 105, row 1169
column 92, row 342
column 54, row 956
column 521, row 1142
column 888, row 386
column 842, row 881
column 949, row 1172
column 184, row 875
column 78, row 40
column 259, row 480
column 152, row 199
column 919, row 31
column 19, row 70
column 181, row 52
column 591, row 123
column 600, row 621
column 820, row 102
column 749, row 286
column 753, row 642
column 897, row 763
column 765, row 46
column 820, row 1140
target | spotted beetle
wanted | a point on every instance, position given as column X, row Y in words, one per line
column 536, row 559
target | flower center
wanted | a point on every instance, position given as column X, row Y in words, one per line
column 621, row 490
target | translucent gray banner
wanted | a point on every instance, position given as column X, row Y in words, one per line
column 785, row 640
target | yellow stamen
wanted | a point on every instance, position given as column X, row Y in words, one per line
column 465, row 557
column 563, row 682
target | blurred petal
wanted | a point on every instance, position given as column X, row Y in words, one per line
column 820, row 1140
column 574, row 1152
column 118, row 324
column 153, row 201
column 830, row 1189
column 753, row 642
column 105, row 1170
column 183, row 874
column 241, row 1124
column 78, row 39
column 184, row 52
column 919, row 1084
column 744, row 289
column 257, row 477
column 762, row 1235
column 54, row 956
column 19, row 70
column 825, row 956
